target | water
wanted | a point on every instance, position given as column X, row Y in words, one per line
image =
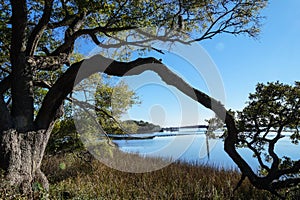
column 193, row 147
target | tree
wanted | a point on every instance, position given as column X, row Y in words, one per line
column 108, row 98
column 272, row 109
column 108, row 95
column 40, row 36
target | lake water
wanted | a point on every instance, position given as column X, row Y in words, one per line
column 193, row 147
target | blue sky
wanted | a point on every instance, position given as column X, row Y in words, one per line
column 241, row 63
column 274, row 56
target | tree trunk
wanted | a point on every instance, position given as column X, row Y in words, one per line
column 21, row 155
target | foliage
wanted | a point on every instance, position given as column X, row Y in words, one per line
column 272, row 109
column 214, row 124
column 64, row 138
column 142, row 126
column 114, row 101
column 109, row 110
column 272, row 113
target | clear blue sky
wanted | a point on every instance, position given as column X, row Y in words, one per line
column 241, row 61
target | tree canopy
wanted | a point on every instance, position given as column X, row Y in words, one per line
column 272, row 112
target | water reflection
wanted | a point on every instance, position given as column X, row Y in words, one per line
column 195, row 147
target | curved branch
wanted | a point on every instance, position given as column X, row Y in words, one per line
column 69, row 41
column 276, row 161
column 38, row 30
column 98, row 63
column 258, row 155
column 67, row 21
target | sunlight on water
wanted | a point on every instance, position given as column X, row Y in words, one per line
column 192, row 147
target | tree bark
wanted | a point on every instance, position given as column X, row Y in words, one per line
column 21, row 154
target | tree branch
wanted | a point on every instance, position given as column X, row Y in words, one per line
column 209, row 33
column 276, row 161
column 70, row 37
column 67, row 21
column 69, row 41
column 38, row 30
column 98, row 63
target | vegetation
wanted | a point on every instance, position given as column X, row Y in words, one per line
column 271, row 110
column 143, row 127
column 38, row 37
column 72, row 177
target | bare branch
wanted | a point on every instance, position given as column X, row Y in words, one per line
column 258, row 155
column 209, row 33
column 274, row 156
column 69, row 41
column 240, row 182
column 38, row 30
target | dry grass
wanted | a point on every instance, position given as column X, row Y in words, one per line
column 80, row 180
column 73, row 178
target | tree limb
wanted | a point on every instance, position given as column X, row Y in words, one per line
column 286, row 183
column 69, row 41
column 38, row 30
column 98, row 63
column 240, row 182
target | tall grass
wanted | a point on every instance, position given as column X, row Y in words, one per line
column 94, row 180
column 72, row 177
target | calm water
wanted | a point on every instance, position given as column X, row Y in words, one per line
column 193, row 147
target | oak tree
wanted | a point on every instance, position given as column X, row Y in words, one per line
column 271, row 114
column 40, row 36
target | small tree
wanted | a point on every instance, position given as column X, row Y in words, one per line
column 214, row 124
column 272, row 109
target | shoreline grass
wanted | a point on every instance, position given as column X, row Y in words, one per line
column 77, row 177
column 94, row 180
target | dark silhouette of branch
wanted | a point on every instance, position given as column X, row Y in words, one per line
column 98, row 63
column 38, row 30
column 69, row 41
column 240, row 182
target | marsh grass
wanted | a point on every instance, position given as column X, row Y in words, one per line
column 94, row 180
column 73, row 176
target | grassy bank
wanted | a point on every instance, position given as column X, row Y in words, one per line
column 73, row 178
